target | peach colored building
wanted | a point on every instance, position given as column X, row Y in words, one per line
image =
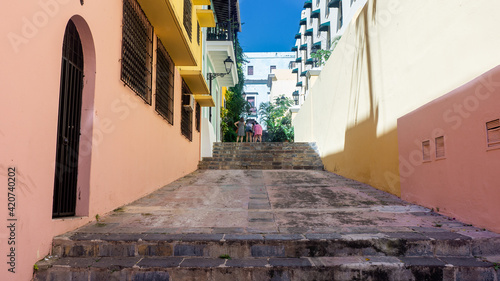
column 100, row 105
column 449, row 151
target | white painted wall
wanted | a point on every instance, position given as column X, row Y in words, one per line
column 283, row 84
column 256, row 84
column 391, row 60
column 348, row 10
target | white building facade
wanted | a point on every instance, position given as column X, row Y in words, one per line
column 257, row 69
column 219, row 45
column 321, row 23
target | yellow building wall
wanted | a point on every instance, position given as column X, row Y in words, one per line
column 168, row 19
column 394, row 57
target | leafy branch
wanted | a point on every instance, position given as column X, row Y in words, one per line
column 323, row 55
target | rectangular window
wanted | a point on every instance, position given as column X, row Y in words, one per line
column 328, row 39
column 493, row 133
column 272, row 68
column 164, row 84
column 199, row 33
column 187, row 112
column 439, row 147
column 250, row 70
column 188, row 23
column 253, row 109
column 137, row 50
column 198, row 117
column 426, row 150
column 340, row 17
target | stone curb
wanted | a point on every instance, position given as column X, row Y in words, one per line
column 410, row 244
column 323, row 268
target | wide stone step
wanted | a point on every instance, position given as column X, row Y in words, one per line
column 251, row 166
column 322, row 268
column 405, row 244
column 263, row 156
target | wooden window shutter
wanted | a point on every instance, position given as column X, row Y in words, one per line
column 493, row 131
column 439, row 147
column 426, row 150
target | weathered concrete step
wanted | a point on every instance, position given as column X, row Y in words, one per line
column 270, row 144
column 257, row 167
column 263, row 156
column 407, row 244
column 261, row 150
column 323, row 268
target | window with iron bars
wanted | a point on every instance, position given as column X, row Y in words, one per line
column 164, row 84
column 198, row 117
column 188, row 18
column 199, row 33
column 186, row 112
column 137, row 50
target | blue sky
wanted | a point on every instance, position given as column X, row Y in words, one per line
column 269, row 25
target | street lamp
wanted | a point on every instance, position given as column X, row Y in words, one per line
column 228, row 64
column 296, row 97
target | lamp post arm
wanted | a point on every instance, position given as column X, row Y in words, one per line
column 212, row 76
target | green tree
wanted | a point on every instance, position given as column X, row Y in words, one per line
column 235, row 103
column 278, row 119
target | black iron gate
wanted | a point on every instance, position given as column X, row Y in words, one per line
column 68, row 127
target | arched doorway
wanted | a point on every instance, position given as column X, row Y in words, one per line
column 69, row 121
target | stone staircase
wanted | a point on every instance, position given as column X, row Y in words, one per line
column 263, row 156
column 259, row 257
column 352, row 251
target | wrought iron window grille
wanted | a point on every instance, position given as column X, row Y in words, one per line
column 199, row 33
column 164, row 84
column 188, row 11
column 186, row 114
column 198, row 117
column 137, row 50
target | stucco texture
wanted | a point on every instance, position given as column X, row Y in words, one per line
column 393, row 57
column 126, row 149
column 462, row 180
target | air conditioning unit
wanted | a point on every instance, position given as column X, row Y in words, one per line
column 188, row 102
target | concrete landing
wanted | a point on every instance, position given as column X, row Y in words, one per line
column 275, row 202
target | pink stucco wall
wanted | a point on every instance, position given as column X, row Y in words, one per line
column 126, row 149
column 465, row 183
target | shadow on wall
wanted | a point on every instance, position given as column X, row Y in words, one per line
column 366, row 157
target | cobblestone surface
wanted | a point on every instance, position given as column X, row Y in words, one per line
column 220, row 202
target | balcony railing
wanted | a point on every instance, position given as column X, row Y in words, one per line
column 222, row 31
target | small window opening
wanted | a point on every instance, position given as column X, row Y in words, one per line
column 439, row 147
column 426, row 150
column 493, row 133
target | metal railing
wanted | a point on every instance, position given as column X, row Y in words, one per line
column 223, row 31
